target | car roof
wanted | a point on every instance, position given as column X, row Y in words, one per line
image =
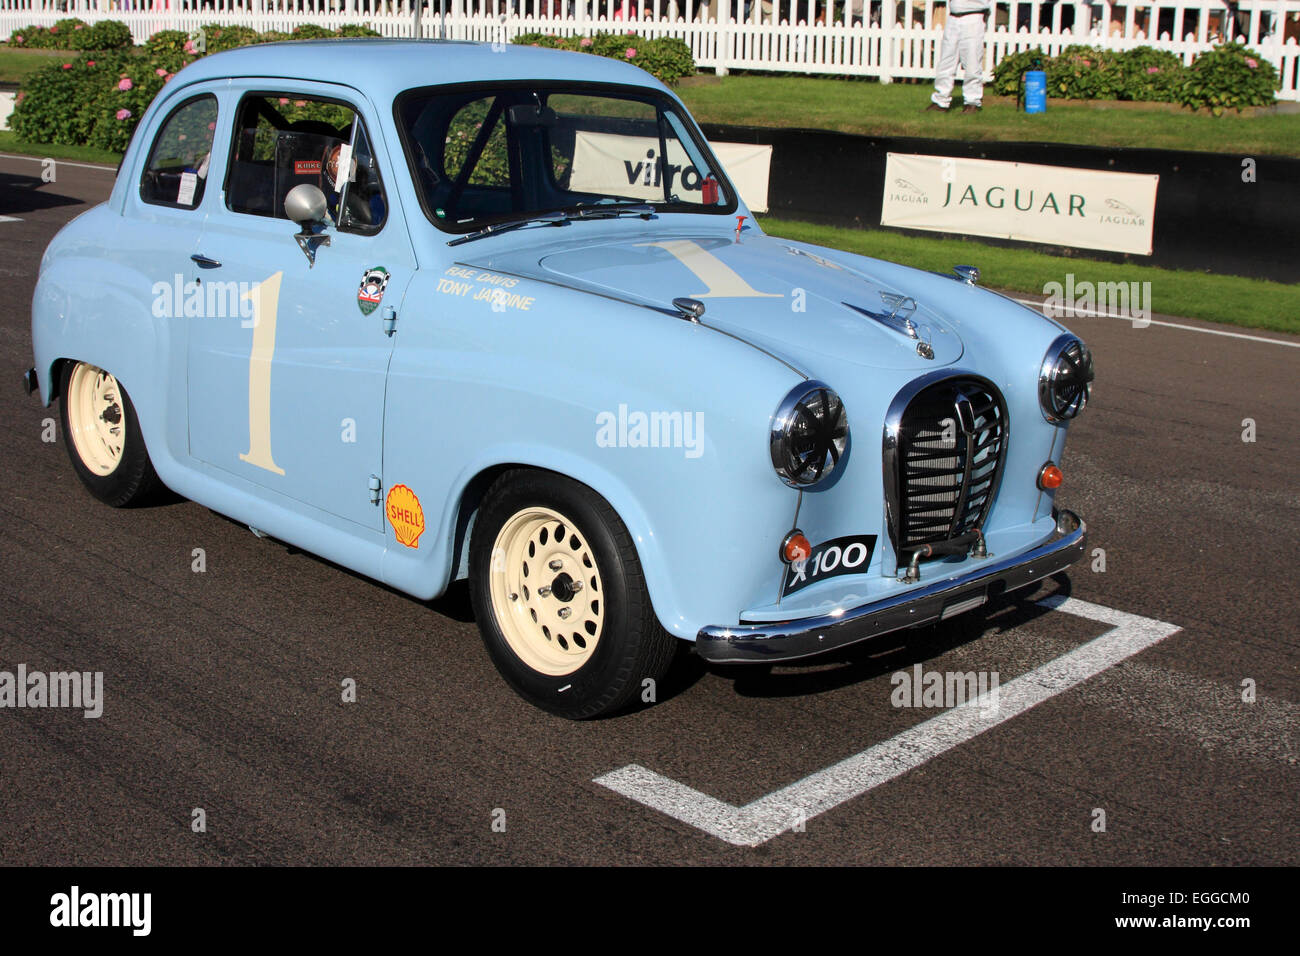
column 382, row 68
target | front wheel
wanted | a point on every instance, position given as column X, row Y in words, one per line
column 560, row 598
column 103, row 436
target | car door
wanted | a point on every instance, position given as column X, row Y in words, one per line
column 287, row 367
column 161, row 227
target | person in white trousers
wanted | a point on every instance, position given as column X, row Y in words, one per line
column 963, row 42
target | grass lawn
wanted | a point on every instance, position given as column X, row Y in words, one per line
column 1253, row 303
column 855, row 106
column 15, row 65
column 10, row 143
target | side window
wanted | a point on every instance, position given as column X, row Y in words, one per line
column 284, row 141
column 177, row 170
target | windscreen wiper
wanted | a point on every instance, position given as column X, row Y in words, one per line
column 613, row 210
column 550, row 218
column 559, row 218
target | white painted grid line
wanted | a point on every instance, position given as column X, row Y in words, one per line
column 1092, row 314
column 769, row 816
column 61, row 162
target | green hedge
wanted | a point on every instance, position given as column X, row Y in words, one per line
column 97, row 98
column 73, row 34
column 1228, row 76
column 668, row 59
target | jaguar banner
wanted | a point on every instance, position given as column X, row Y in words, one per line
column 1058, row 205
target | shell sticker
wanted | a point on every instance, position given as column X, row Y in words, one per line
column 405, row 515
column 371, row 291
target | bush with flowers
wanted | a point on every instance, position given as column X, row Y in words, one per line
column 666, row 58
column 73, row 34
column 98, row 98
column 1228, row 76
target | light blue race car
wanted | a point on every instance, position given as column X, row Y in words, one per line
column 437, row 311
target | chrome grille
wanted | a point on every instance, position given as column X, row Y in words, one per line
column 951, row 442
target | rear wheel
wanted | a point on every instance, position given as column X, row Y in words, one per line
column 103, row 436
column 560, row 597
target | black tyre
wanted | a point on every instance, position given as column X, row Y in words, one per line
column 560, row 598
column 102, row 434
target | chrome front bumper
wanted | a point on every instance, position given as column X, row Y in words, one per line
column 789, row 640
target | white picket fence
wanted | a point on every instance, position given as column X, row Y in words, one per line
column 887, row 39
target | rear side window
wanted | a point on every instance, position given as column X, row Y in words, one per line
column 177, row 170
column 282, row 141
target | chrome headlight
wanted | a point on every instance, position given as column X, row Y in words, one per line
column 809, row 434
column 1065, row 380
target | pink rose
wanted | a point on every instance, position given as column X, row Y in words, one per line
column 299, row 102
column 586, row 41
column 90, row 63
column 212, row 126
column 188, row 47
column 1153, row 69
column 631, row 52
column 284, row 101
column 123, row 114
column 79, row 26
column 20, row 97
column 54, row 29
column 125, row 83
column 1252, row 62
column 18, row 39
column 67, row 66
column 160, row 71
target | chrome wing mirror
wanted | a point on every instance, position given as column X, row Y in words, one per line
column 306, row 206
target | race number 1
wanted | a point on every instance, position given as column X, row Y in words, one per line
column 266, row 299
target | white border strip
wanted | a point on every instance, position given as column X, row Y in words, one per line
column 769, row 816
column 1090, row 314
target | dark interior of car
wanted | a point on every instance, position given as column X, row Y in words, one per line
column 272, row 155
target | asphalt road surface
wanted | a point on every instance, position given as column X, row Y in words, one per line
column 222, row 688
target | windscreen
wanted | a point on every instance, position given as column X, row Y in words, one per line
column 487, row 154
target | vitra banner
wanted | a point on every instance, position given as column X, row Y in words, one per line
column 630, row 166
column 1091, row 209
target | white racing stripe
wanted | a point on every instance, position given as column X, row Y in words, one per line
column 765, row 818
column 1091, row 314
column 10, row 219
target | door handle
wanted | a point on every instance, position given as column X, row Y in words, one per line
column 204, row 261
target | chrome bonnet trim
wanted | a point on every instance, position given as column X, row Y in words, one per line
column 804, row 637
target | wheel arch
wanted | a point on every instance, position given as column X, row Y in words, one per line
column 462, row 507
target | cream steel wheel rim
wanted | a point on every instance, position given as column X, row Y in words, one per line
column 547, row 592
column 97, row 417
